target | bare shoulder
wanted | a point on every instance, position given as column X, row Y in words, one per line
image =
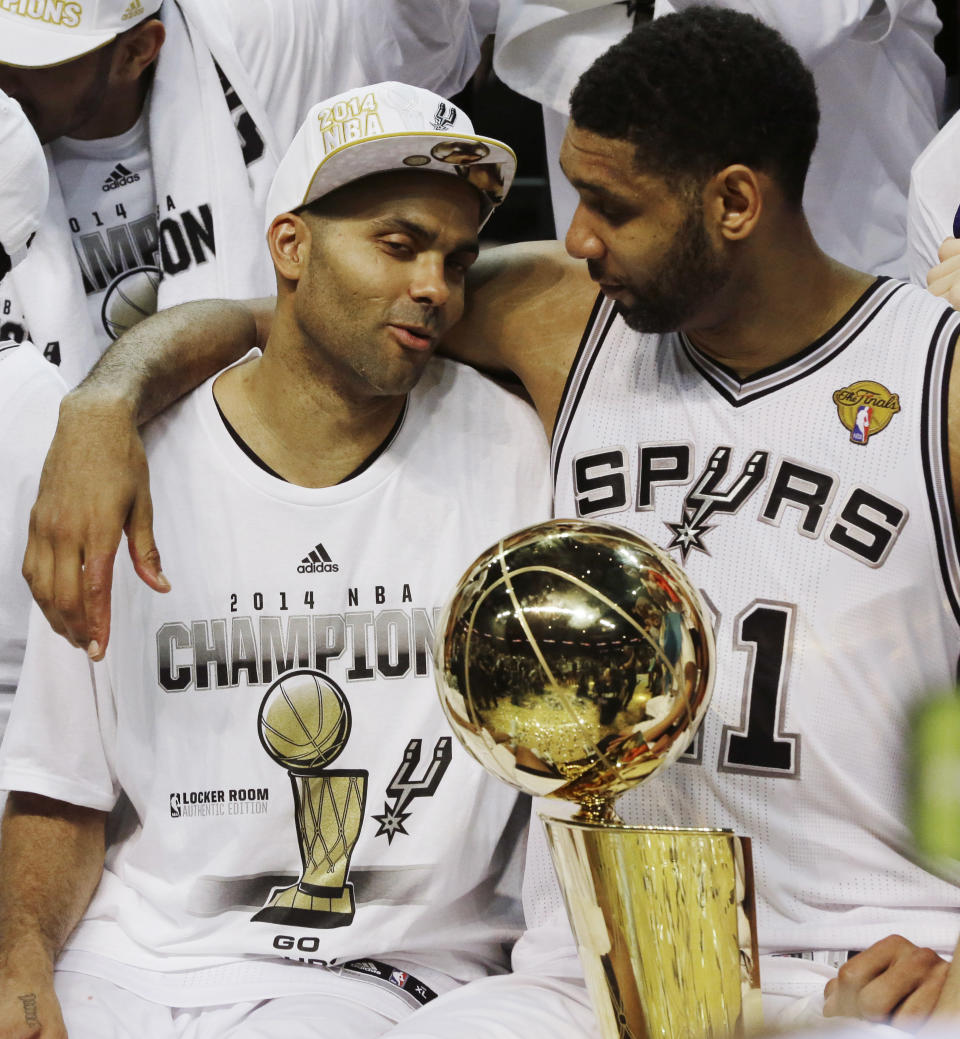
column 527, row 306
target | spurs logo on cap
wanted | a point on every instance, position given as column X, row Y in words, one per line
column 446, row 116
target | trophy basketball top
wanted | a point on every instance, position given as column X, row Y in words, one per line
column 574, row 660
column 304, row 721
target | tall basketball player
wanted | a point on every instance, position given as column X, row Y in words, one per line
column 776, row 420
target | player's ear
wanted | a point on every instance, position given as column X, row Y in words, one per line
column 289, row 240
column 136, row 49
column 734, row 198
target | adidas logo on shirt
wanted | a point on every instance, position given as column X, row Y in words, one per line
column 119, row 177
column 317, row 561
column 133, row 10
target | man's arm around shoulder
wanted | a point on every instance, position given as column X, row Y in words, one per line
column 95, row 483
column 527, row 306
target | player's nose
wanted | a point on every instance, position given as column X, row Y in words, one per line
column 582, row 241
column 428, row 280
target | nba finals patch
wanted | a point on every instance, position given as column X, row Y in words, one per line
column 865, row 408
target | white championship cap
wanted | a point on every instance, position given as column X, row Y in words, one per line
column 24, row 185
column 384, row 127
column 38, row 33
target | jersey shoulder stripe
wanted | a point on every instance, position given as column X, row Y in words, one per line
column 935, row 450
column 601, row 319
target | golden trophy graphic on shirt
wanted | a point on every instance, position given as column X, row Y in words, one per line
column 574, row 661
column 304, row 724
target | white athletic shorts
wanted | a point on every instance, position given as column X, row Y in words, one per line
column 97, row 1009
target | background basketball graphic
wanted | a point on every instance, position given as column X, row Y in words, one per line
column 130, row 298
column 304, row 724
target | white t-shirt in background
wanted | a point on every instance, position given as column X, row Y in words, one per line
column 30, row 392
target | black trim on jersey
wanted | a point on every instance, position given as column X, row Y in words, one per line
column 737, row 391
column 387, row 441
column 362, row 467
column 935, row 452
column 245, row 447
column 560, row 427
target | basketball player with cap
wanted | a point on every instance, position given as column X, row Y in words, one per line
column 164, row 124
column 710, row 405
column 296, row 845
column 30, row 389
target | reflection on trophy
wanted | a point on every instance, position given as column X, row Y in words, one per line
column 304, row 725
column 574, row 660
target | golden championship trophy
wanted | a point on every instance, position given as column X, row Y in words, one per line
column 574, row 660
column 304, row 725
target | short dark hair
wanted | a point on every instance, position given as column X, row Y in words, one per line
column 697, row 91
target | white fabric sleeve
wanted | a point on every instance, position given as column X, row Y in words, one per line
column 926, row 230
column 933, row 200
column 816, row 26
column 299, row 52
column 30, row 392
column 61, row 724
column 428, row 43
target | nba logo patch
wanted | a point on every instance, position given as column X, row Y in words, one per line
column 865, row 408
column 861, row 424
column 398, row 978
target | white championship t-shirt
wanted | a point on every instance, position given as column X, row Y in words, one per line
column 30, row 392
column 236, row 873
column 111, row 210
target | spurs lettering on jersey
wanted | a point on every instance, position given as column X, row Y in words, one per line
column 864, row 523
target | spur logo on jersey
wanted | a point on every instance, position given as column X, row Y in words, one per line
column 317, row 561
column 865, row 408
column 53, row 12
column 403, row 788
column 708, row 498
column 865, row 525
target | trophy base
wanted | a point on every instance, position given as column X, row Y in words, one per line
column 297, row 907
column 666, row 928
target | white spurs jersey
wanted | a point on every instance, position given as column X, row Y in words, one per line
column 233, row 872
column 810, row 504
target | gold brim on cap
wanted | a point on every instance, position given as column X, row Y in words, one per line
column 487, row 164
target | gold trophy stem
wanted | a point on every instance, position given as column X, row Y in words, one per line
column 665, row 923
